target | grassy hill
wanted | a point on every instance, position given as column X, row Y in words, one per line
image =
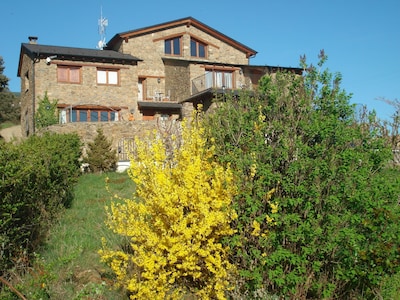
column 68, row 266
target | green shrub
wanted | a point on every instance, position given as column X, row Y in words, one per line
column 46, row 113
column 318, row 214
column 37, row 181
column 100, row 155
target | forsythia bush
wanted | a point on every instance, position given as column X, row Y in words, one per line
column 176, row 222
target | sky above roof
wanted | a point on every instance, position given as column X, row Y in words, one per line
column 360, row 37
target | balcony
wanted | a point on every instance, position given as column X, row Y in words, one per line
column 213, row 80
column 155, row 93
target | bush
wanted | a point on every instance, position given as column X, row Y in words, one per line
column 100, row 155
column 318, row 214
column 175, row 223
column 37, row 181
column 46, row 113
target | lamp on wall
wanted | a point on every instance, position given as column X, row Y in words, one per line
column 50, row 58
column 158, row 80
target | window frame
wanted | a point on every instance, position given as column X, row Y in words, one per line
column 68, row 69
column 218, row 78
column 197, row 44
column 88, row 115
column 108, row 72
column 172, row 46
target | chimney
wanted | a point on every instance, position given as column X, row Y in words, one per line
column 33, row 39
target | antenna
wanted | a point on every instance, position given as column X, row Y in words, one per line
column 103, row 23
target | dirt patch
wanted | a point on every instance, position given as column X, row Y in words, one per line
column 11, row 133
column 117, row 181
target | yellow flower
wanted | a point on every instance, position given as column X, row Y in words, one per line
column 176, row 220
column 274, row 208
column 256, row 228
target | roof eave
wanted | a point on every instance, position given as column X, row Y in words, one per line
column 44, row 51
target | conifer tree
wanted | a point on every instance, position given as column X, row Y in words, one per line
column 100, row 155
column 46, row 113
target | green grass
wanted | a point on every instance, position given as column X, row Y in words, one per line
column 7, row 124
column 68, row 265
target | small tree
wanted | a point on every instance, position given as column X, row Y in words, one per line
column 46, row 113
column 175, row 223
column 100, row 155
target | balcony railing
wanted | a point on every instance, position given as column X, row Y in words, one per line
column 216, row 80
column 199, row 84
column 154, row 93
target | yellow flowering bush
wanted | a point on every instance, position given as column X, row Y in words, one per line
column 175, row 222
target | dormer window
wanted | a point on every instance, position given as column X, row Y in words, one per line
column 173, row 46
column 197, row 48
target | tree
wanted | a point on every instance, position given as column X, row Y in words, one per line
column 317, row 204
column 100, row 155
column 392, row 128
column 9, row 104
column 46, row 113
column 175, row 223
column 3, row 79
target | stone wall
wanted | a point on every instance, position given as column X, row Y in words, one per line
column 27, row 96
column 114, row 131
column 88, row 91
column 178, row 79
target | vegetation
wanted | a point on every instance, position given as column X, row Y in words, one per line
column 100, row 155
column 286, row 194
column 10, row 110
column 67, row 265
column 46, row 113
column 3, row 78
column 317, row 203
column 175, row 222
column 38, row 176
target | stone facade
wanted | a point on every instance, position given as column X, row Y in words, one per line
column 151, row 83
column 88, row 92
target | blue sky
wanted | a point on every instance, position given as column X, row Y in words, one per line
column 360, row 37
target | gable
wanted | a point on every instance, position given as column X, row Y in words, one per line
column 189, row 21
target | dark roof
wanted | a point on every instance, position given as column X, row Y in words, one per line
column 188, row 21
column 159, row 105
column 75, row 54
column 211, row 92
column 273, row 69
column 261, row 68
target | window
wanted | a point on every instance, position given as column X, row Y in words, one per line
column 219, row 79
column 173, row 46
column 108, row 77
column 69, row 74
column 73, row 115
column 197, row 49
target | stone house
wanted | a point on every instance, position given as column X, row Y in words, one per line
column 147, row 74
